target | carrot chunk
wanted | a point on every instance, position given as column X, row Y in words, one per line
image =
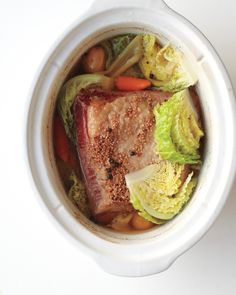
column 131, row 84
column 62, row 145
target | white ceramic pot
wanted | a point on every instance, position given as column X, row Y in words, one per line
column 155, row 250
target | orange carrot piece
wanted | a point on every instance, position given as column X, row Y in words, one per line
column 131, row 84
column 61, row 143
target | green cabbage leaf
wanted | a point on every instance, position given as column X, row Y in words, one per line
column 115, row 46
column 141, row 211
column 158, row 192
column 77, row 194
column 177, row 132
column 119, row 43
column 166, row 67
column 127, row 58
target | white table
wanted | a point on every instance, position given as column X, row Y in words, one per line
column 34, row 258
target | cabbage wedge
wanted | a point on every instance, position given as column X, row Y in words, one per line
column 115, row 46
column 177, row 132
column 119, row 43
column 166, row 67
column 158, row 191
column 128, row 57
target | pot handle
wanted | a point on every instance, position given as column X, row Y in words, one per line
column 101, row 5
column 133, row 266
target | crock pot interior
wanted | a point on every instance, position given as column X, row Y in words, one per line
column 205, row 94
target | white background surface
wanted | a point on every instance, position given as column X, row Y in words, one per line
column 34, row 257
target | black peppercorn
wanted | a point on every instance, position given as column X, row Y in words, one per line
column 114, row 163
column 109, row 173
column 132, row 153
